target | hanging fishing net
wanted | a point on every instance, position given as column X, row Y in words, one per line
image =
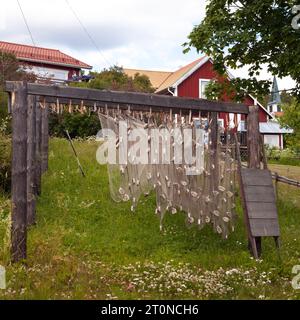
column 158, row 152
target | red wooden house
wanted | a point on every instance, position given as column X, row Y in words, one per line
column 45, row 63
column 191, row 80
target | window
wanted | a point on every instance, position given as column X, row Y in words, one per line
column 202, row 85
column 44, row 72
column 221, row 123
column 242, row 126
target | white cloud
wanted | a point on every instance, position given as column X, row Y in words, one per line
column 133, row 33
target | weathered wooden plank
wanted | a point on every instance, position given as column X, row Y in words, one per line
column 262, row 210
column 31, row 204
column 132, row 98
column 256, row 177
column 260, row 193
column 264, row 227
column 214, row 137
column 38, row 169
column 19, row 174
column 251, row 240
column 259, row 203
column 44, row 138
column 253, row 138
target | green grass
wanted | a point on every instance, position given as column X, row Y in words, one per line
column 85, row 246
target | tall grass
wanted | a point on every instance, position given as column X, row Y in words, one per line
column 85, row 246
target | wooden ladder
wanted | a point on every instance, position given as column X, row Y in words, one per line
column 259, row 204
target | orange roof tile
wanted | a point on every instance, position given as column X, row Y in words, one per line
column 41, row 55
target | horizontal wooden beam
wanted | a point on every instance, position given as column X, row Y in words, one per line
column 155, row 101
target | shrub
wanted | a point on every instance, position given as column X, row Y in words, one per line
column 285, row 157
column 79, row 125
column 5, row 162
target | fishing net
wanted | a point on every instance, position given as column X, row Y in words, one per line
column 151, row 155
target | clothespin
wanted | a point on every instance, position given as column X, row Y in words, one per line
column 81, row 107
column 70, row 106
column 57, row 106
column 43, row 104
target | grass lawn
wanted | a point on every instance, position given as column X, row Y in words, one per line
column 85, row 246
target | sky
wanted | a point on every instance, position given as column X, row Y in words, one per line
column 142, row 34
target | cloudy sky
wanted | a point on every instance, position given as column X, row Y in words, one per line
column 145, row 34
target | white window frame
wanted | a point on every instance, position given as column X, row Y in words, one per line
column 221, row 123
column 200, row 86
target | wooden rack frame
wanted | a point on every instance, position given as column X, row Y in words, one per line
column 29, row 102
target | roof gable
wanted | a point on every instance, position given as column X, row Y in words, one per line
column 156, row 77
column 181, row 74
column 162, row 80
column 41, row 55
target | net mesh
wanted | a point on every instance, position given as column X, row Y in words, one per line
column 207, row 197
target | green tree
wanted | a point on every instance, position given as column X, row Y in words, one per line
column 291, row 119
column 84, row 125
column 114, row 78
column 10, row 70
column 250, row 33
column 286, row 97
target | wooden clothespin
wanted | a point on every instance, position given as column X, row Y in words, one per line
column 190, row 117
column 70, row 107
column 57, row 106
column 81, row 107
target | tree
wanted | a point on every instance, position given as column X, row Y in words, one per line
column 114, row 78
column 291, row 119
column 83, row 125
column 286, row 98
column 10, row 70
column 250, row 33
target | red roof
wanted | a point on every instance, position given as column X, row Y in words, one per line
column 41, row 55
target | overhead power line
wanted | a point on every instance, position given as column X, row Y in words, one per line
column 26, row 23
column 87, row 32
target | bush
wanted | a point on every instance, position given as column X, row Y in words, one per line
column 285, row 157
column 5, row 162
column 79, row 125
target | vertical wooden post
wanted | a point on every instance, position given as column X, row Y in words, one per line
column 263, row 153
column 31, row 203
column 19, row 174
column 44, row 138
column 38, row 169
column 254, row 157
column 214, row 127
column 10, row 102
column 253, row 138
